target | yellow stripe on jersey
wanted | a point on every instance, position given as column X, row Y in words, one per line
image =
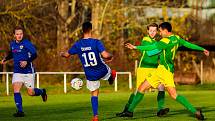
column 141, row 58
column 177, row 36
column 165, row 40
column 147, row 39
column 164, row 53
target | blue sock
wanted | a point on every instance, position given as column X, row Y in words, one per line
column 38, row 91
column 18, row 101
column 94, row 102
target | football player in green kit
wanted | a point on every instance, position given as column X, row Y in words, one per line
column 147, row 65
column 164, row 73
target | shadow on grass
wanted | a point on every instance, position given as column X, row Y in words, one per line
column 50, row 112
column 148, row 114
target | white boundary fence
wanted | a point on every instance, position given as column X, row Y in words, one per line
column 65, row 78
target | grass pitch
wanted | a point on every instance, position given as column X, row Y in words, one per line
column 77, row 107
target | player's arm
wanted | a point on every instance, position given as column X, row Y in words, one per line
column 73, row 50
column 193, row 46
column 162, row 44
column 150, row 52
column 153, row 52
column 33, row 54
column 31, row 48
column 8, row 57
column 107, row 55
column 65, row 54
column 190, row 45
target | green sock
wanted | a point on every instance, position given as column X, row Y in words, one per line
column 160, row 100
column 137, row 98
column 129, row 101
column 185, row 103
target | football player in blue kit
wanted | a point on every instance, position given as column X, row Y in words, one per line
column 23, row 53
column 91, row 52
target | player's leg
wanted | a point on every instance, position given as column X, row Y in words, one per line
column 93, row 86
column 139, row 95
column 160, row 100
column 17, row 84
column 94, row 103
column 38, row 92
column 151, row 81
column 141, row 76
column 18, row 99
column 166, row 78
column 29, row 83
column 137, row 98
column 182, row 100
column 112, row 77
column 131, row 97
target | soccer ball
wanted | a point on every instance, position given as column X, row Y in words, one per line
column 76, row 83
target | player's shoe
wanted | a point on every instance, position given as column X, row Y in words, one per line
column 125, row 109
column 199, row 115
column 125, row 114
column 112, row 77
column 19, row 114
column 95, row 118
column 119, row 114
column 162, row 112
column 44, row 95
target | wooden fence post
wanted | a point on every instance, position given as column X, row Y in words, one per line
column 199, row 71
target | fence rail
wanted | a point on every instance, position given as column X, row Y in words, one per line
column 65, row 78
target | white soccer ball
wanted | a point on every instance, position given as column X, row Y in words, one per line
column 76, row 83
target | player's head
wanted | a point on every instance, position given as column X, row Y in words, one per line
column 165, row 29
column 18, row 33
column 152, row 29
column 86, row 27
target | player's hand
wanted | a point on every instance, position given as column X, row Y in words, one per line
column 65, row 54
column 3, row 61
column 108, row 60
column 206, row 52
column 23, row 64
column 130, row 46
column 62, row 54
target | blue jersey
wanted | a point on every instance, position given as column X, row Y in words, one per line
column 23, row 51
column 89, row 51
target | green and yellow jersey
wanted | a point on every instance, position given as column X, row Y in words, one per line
column 148, row 61
column 169, row 46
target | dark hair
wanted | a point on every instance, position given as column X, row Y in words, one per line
column 166, row 25
column 25, row 35
column 18, row 28
column 86, row 27
column 152, row 25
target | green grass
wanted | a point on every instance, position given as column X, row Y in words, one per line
column 77, row 107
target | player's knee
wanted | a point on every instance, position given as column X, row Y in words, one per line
column 16, row 87
column 15, row 90
column 144, row 86
column 95, row 92
column 30, row 92
column 161, row 87
column 173, row 95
